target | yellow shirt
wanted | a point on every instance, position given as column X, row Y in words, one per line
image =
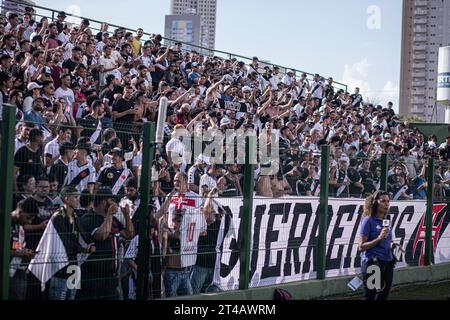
column 136, row 47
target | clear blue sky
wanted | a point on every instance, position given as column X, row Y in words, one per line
column 354, row 41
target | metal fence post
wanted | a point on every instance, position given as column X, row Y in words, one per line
column 323, row 213
column 245, row 229
column 6, row 194
column 384, row 172
column 143, row 257
column 429, row 214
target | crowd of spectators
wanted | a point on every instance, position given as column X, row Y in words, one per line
column 82, row 97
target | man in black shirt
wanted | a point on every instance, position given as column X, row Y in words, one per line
column 123, row 113
column 356, row 188
column 20, row 252
column 29, row 158
column 108, row 92
column 63, row 235
column 92, row 126
column 203, row 270
column 60, row 22
column 100, row 279
column 60, row 169
column 114, row 176
column 367, row 177
column 70, row 64
column 44, row 206
column 357, row 99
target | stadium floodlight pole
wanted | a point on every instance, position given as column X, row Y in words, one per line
column 245, row 229
column 384, row 172
column 6, row 194
column 429, row 213
column 143, row 256
column 323, row 213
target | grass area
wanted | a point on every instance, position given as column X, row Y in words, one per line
column 422, row 291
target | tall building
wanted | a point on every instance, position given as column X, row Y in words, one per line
column 425, row 28
column 15, row 6
column 184, row 28
column 206, row 9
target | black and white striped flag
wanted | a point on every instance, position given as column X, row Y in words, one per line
column 52, row 251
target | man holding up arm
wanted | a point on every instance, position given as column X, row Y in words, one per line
column 100, row 279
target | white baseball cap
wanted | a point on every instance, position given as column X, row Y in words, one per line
column 33, row 85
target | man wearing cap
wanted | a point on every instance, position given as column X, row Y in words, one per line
column 59, row 169
column 29, row 159
column 195, row 173
column 289, row 79
column 103, row 42
column 62, row 238
column 194, row 74
column 100, row 271
column 115, row 175
column 60, row 21
column 81, row 174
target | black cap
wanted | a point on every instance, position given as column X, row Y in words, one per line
column 117, row 151
column 84, row 146
column 104, row 193
column 35, row 133
column 131, row 182
column 5, row 56
column 62, row 14
column 170, row 112
column 68, row 191
column 29, row 205
column 109, row 78
column 67, row 146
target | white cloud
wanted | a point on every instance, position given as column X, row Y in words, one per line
column 390, row 93
column 357, row 75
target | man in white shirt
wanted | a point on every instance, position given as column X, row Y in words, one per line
column 107, row 64
column 317, row 88
column 81, row 174
column 176, row 150
column 304, row 86
column 276, row 78
column 208, row 181
column 64, row 91
column 51, row 150
column 289, row 79
column 105, row 41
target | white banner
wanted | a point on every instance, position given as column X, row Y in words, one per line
column 283, row 249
